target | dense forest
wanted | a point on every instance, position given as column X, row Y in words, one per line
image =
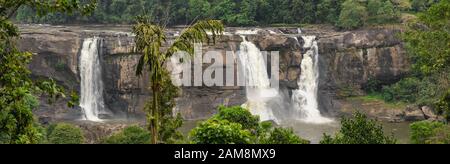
column 346, row 14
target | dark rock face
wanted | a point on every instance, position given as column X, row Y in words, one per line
column 350, row 59
column 347, row 61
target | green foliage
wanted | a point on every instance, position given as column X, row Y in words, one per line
column 373, row 85
column 421, row 132
column 443, row 106
column 130, row 135
column 427, row 42
column 231, row 12
column 149, row 40
column 359, row 130
column 216, row 131
column 405, row 90
column 283, row 136
column 422, row 5
column 353, row 15
column 65, row 134
column 239, row 115
column 441, row 136
column 422, row 91
column 236, row 125
column 17, row 91
column 199, row 9
column 429, row 38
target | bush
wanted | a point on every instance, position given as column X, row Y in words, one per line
column 236, row 125
column 405, row 90
column 424, row 91
column 359, row 130
column 440, row 136
column 443, row 106
column 421, row 132
column 130, row 135
column 239, row 115
column 65, row 134
column 373, row 85
column 283, row 136
column 215, row 131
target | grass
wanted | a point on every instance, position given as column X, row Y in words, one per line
column 378, row 98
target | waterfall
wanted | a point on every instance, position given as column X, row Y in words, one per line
column 257, row 81
column 305, row 98
column 91, row 100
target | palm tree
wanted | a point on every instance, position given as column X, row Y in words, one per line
column 149, row 41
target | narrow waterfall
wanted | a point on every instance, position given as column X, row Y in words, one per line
column 91, row 100
column 305, row 98
column 257, row 81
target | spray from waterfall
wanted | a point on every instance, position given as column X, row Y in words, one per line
column 304, row 99
column 91, row 80
column 257, row 82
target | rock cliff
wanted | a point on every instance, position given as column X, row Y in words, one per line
column 347, row 61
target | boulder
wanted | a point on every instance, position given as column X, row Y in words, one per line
column 429, row 113
column 413, row 114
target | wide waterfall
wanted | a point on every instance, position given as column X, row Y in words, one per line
column 257, row 82
column 304, row 99
column 91, row 83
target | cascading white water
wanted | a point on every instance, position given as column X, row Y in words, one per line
column 91, row 100
column 257, row 81
column 305, row 98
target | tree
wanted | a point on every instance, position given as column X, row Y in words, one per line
column 353, row 15
column 282, row 136
column 428, row 39
column 216, row 131
column 149, row 41
column 16, row 86
column 373, row 6
column 168, row 132
column 130, row 135
column 236, row 125
column 387, row 13
column 328, row 11
column 359, row 130
column 65, row 134
column 199, row 9
column 239, row 115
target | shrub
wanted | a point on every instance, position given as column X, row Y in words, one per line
column 443, row 105
column 236, row 125
column 422, row 131
column 65, row 134
column 239, row 115
column 130, row 135
column 440, row 136
column 359, row 130
column 405, row 90
column 216, row 131
column 373, row 85
column 283, row 136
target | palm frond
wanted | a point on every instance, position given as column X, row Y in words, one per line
column 149, row 39
column 200, row 32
